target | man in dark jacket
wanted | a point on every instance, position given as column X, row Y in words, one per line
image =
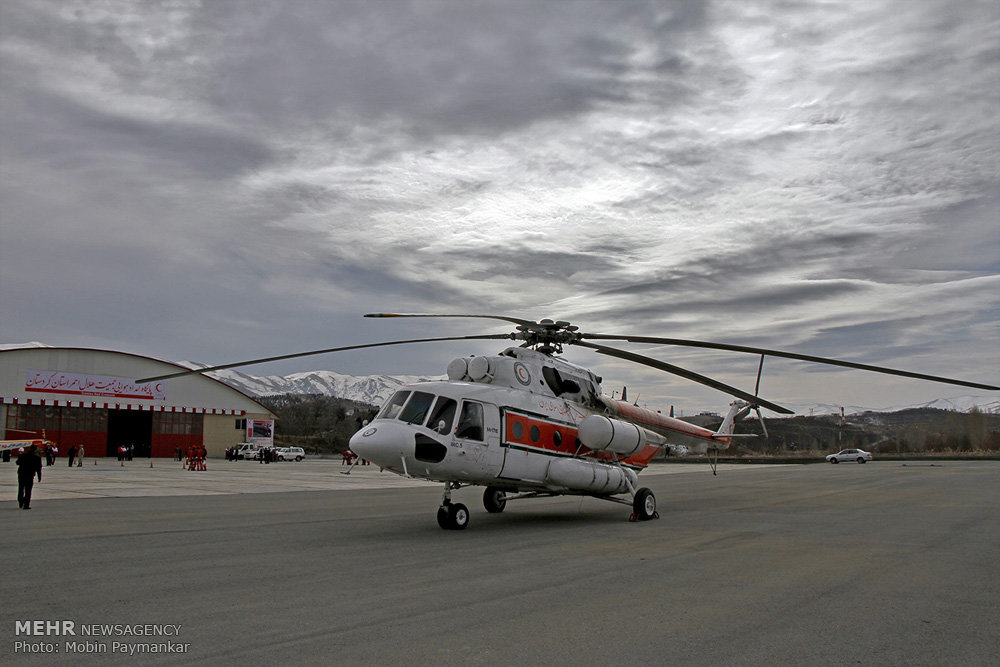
column 29, row 464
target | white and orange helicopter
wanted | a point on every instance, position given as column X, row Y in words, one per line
column 526, row 423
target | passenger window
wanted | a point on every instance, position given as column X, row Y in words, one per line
column 470, row 424
column 416, row 410
column 395, row 404
column 443, row 415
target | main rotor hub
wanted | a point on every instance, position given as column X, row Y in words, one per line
column 547, row 336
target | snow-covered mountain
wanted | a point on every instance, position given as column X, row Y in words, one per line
column 371, row 389
column 956, row 403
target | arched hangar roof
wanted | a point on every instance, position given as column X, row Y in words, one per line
column 82, row 377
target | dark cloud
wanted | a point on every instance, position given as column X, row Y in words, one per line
column 528, row 264
column 103, row 140
column 759, row 256
column 227, row 180
column 443, row 66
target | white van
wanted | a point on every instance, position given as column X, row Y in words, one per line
column 290, row 453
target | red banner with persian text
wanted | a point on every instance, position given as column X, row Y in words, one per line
column 85, row 384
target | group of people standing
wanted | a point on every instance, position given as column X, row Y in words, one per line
column 77, row 454
column 196, row 455
column 349, row 457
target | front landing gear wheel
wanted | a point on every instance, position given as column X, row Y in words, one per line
column 494, row 500
column 453, row 516
column 458, row 516
column 644, row 505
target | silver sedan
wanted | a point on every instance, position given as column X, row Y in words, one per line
column 859, row 455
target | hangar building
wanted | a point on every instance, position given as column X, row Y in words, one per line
column 89, row 397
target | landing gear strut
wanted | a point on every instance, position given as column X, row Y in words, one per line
column 452, row 516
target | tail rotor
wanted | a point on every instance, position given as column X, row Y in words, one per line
column 756, row 392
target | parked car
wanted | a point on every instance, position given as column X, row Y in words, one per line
column 247, row 450
column 291, row 453
column 859, row 455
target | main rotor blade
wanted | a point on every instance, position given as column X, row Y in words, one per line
column 684, row 373
column 199, row 371
column 789, row 355
column 503, row 318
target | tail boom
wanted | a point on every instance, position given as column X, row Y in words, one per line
column 676, row 432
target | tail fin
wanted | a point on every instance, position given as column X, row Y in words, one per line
column 737, row 411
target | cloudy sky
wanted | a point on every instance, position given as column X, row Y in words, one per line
column 218, row 181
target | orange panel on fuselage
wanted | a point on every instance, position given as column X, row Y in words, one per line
column 532, row 431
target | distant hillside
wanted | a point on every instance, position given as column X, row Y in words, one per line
column 320, row 424
column 910, row 430
column 957, row 403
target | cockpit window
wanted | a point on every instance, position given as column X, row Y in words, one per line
column 470, row 424
column 416, row 409
column 391, row 409
column 443, row 415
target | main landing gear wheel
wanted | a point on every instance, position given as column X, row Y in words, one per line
column 453, row 516
column 494, row 499
column 644, row 505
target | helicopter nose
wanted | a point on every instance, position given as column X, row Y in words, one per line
column 383, row 443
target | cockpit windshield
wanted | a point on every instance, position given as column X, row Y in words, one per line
column 413, row 407
column 392, row 409
column 416, row 408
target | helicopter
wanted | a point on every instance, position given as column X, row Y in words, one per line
column 526, row 423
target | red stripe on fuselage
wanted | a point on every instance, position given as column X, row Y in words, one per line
column 522, row 429
column 531, row 431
